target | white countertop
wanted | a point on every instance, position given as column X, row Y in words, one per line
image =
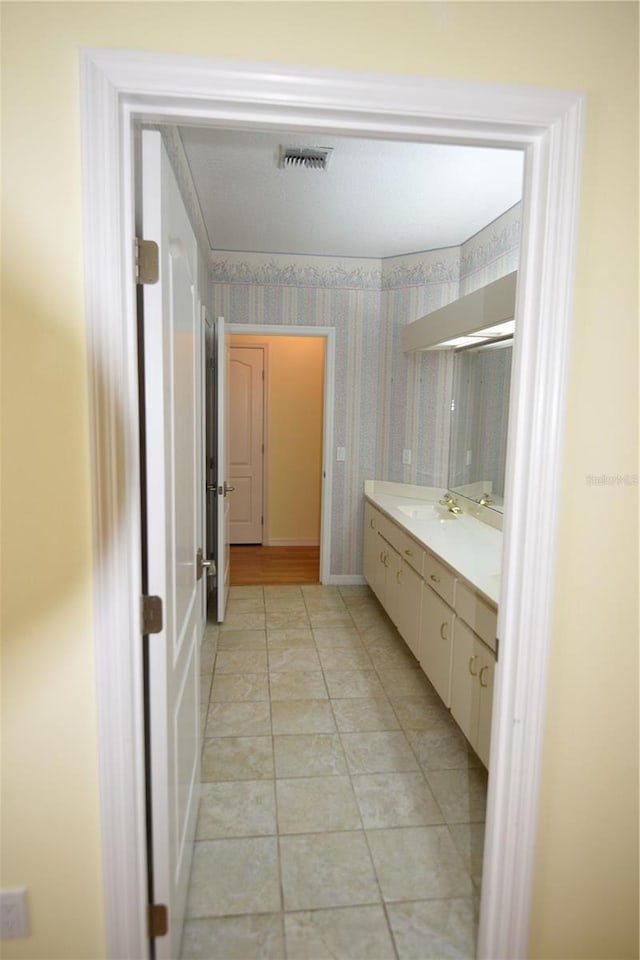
column 468, row 545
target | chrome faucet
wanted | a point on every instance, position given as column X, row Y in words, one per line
column 451, row 504
column 485, row 500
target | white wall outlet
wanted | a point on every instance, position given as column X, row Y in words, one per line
column 340, row 453
column 14, row 922
column 406, row 457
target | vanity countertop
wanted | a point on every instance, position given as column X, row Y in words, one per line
column 468, row 545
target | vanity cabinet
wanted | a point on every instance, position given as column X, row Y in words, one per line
column 473, row 668
column 448, row 626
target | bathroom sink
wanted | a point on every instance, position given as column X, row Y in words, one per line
column 427, row 511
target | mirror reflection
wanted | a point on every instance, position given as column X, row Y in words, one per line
column 479, row 422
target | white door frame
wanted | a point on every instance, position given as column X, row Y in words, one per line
column 329, row 392
column 119, row 87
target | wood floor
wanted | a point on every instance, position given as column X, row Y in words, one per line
column 268, row 565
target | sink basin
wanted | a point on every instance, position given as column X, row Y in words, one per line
column 428, row 511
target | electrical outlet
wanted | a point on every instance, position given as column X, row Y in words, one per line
column 14, row 922
column 406, row 457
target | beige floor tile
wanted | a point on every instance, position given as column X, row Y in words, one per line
column 282, row 590
column 243, row 808
column 284, row 638
column 243, row 640
column 241, row 661
column 469, row 841
column 281, row 619
column 461, row 794
column 337, row 658
column 231, row 877
column 330, row 618
column 418, row 863
column 420, row 713
column 237, row 758
column 378, row 752
column 434, row 929
column 205, row 688
column 245, row 591
column 404, row 682
column 374, row 629
column 309, row 755
column 239, row 686
column 353, row 683
column 245, row 605
column 298, row 685
column 246, row 719
column 359, row 591
column 319, row 593
column 285, row 604
column 293, row 659
column 345, row 933
column 244, row 621
column 316, row 804
column 362, row 714
column 442, row 746
column 208, row 650
column 327, row 870
column 345, row 638
column 302, row 716
column 395, row 800
column 253, row 937
column 392, row 658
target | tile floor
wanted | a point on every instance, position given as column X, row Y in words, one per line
column 342, row 812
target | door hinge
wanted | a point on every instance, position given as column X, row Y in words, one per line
column 150, row 614
column 147, row 261
column 157, row 920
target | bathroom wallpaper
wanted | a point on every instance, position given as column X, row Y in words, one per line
column 385, row 401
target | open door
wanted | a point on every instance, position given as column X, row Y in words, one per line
column 223, row 488
column 172, row 373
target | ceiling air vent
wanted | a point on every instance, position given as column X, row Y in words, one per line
column 311, row 158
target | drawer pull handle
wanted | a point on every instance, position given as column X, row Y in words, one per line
column 474, row 673
column 444, row 630
column 386, row 560
column 372, row 524
column 434, row 578
column 409, row 553
column 482, row 674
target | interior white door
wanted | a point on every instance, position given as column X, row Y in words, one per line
column 173, row 459
column 223, row 487
column 246, row 442
column 210, row 434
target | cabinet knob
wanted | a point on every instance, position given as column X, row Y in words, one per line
column 434, row 578
column 474, row 673
column 372, row 524
column 482, row 674
column 409, row 553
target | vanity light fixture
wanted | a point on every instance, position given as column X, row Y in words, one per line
column 486, row 314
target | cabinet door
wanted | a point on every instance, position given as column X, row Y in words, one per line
column 485, row 681
column 409, row 602
column 375, row 554
column 436, row 632
column 465, row 686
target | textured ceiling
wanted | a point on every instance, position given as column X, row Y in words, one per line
column 377, row 198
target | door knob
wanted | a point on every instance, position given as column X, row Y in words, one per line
column 228, row 488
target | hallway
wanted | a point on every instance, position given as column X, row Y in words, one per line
column 342, row 812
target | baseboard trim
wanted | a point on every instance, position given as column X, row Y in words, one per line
column 296, row 542
column 345, row 579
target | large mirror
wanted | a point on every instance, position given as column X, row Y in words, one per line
column 479, row 422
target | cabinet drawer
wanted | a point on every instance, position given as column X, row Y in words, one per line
column 439, row 578
column 477, row 613
column 408, row 549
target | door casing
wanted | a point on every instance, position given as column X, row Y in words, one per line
column 120, row 87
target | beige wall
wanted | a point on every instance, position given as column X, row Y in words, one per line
column 294, row 423
column 585, row 889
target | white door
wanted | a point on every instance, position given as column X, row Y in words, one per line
column 223, row 488
column 246, row 442
column 173, row 460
